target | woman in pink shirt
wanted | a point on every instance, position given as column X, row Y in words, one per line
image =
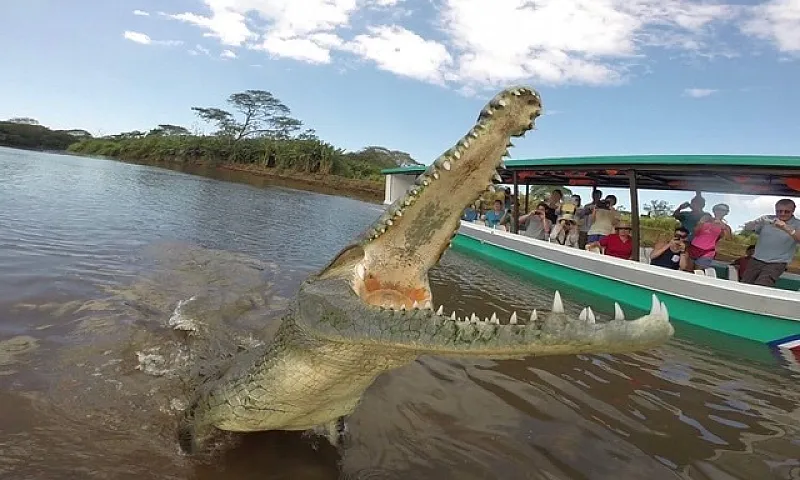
column 708, row 232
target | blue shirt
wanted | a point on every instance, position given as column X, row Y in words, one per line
column 775, row 245
column 469, row 215
column 689, row 221
column 493, row 218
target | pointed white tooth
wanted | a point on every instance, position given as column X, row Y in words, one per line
column 446, row 165
column 436, row 175
column 474, row 318
column 590, row 315
column 498, row 178
column 456, row 154
column 655, row 308
column 453, row 315
column 534, row 316
column 389, row 222
column 502, row 164
column 428, row 305
column 403, row 306
column 502, row 102
column 415, row 305
column 506, row 154
column 664, row 311
column 513, row 319
column 582, row 316
column 441, row 310
column 618, row 313
column 494, row 319
column 361, row 271
column 558, row 305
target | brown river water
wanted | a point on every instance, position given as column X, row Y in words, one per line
column 100, row 259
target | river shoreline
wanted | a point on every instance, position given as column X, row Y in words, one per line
column 257, row 175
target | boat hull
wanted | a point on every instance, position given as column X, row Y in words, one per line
column 768, row 316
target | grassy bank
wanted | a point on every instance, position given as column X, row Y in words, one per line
column 309, row 164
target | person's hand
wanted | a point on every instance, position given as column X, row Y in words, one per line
column 782, row 225
column 685, row 205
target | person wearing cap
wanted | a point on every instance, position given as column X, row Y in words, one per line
column 707, row 234
column 619, row 244
column 778, row 238
column 566, row 232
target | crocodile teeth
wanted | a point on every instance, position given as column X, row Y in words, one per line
column 583, row 315
column 558, row 305
column 494, row 319
column 534, row 316
column 474, row 318
column 389, row 222
column 441, row 310
column 436, row 175
column 509, row 144
column 655, row 309
column 415, row 305
column 590, row 315
column 618, row 313
column 456, row 154
column 361, row 271
column 502, row 164
column 513, row 319
column 497, row 178
column 506, row 154
column 453, row 315
column 664, row 311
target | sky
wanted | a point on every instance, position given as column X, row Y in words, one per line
column 615, row 76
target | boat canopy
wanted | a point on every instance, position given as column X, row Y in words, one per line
column 735, row 174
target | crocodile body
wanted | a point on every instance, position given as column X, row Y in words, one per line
column 371, row 310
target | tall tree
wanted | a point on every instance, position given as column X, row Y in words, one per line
column 261, row 114
column 658, row 208
column 167, row 130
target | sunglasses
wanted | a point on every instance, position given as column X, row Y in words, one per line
column 783, row 210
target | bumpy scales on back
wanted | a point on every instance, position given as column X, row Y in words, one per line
column 371, row 310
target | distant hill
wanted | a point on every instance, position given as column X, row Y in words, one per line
column 32, row 136
column 382, row 157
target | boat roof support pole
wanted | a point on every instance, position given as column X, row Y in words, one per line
column 515, row 206
column 634, row 188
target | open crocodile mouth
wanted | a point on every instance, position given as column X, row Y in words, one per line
column 387, row 269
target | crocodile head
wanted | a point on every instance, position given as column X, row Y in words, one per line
column 376, row 290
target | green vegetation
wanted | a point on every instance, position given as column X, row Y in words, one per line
column 26, row 133
column 257, row 132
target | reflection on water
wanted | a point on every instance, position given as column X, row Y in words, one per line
column 101, row 261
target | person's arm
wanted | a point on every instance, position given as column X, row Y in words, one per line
column 727, row 233
column 754, row 225
column 556, row 230
column 659, row 248
column 683, row 264
column 788, row 229
column 677, row 213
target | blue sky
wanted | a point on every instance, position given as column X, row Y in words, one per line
column 616, row 76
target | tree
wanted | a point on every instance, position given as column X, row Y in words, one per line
column 167, row 130
column 261, row 115
column 23, row 120
column 658, row 208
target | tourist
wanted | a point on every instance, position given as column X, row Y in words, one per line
column 537, row 224
column 707, row 234
column 689, row 219
column 603, row 220
column 742, row 262
column 672, row 254
column 497, row 216
column 471, row 213
column 776, row 247
column 585, row 218
column 612, row 202
column 618, row 244
column 565, row 232
column 554, row 205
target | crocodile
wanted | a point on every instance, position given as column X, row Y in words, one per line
column 370, row 310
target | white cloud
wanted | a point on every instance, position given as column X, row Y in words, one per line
column 482, row 43
column 699, row 92
column 227, row 54
column 137, row 37
column 144, row 39
column 777, row 21
column 403, row 52
column 141, row 13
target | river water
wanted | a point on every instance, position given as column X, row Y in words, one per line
column 99, row 258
